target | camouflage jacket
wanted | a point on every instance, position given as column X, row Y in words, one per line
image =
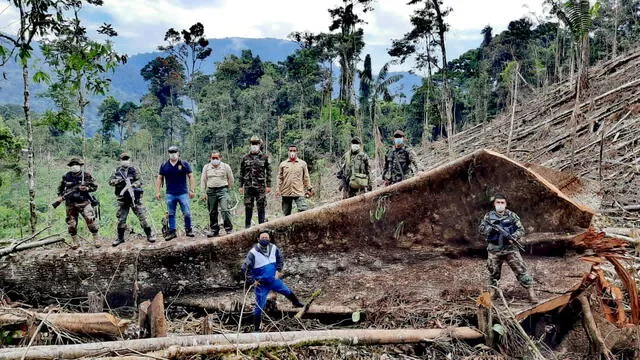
column 70, row 184
column 255, row 171
column 117, row 180
column 357, row 163
column 510, row 221
column 399, row 164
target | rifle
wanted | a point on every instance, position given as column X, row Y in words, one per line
column 344, row 183
column 62, row 198
column 505, row 234
column 128, row 188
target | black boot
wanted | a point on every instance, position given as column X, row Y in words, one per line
column 256, row 323
column 120, row 238
column 294, row 300
column 261, row 215
column 150, row 237
column 248, row 213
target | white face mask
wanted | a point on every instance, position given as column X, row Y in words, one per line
column 501, row 207
column 293, row 154
column 215, row 162
column 75, row 168
column 125, row 163
column 355, row 147
column 255, row 149
column 173, row 156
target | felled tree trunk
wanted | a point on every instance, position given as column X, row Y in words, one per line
column 432, row 214
column 92, row 324
column 225, row 342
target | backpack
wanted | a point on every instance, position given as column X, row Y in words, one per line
column 357, row 181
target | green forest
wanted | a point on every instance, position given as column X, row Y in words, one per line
column 321, row 96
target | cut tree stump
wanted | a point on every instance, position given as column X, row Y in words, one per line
column 95, row 302
column 157, row 320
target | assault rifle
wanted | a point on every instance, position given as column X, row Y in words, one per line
column 344, row 183
column 128, row 188
column 505, row 234
column 62, row 198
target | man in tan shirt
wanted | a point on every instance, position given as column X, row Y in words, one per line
column 293, row 182
column 215, row 182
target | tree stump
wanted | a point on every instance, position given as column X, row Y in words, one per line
column 95, row 302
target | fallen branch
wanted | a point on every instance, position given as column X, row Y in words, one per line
column 13, row 249
column 100, row 324
column 592, row 329
column 352, row 337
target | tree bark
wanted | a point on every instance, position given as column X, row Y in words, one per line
column 31, row 175
column 592, row 329
column 443, row 221
column 230, row 342
column 514, row 101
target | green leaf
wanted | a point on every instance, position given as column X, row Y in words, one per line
column 42, row 77
column 499, row 329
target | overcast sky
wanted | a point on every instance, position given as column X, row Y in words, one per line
column 141, row 24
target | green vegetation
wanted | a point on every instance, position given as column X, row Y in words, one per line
column 284, row 102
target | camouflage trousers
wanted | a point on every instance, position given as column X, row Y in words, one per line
column 516, row 263
column 123, row 213
column 259, row 196
column 74, row 210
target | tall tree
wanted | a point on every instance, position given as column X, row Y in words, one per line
column 37, row 18
column 366, row 79
column 166, row 79
column 191, row 48
column 349, row 45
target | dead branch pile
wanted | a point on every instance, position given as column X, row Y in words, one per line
column 610, row 117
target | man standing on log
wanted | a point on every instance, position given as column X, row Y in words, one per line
column 127, row 183
column 356, row 169
column 255, row 181
column 495, row 225
column 176, row 172
column 294, row 184
column 262, row 268
column 74, row 190
column 215, row 182
column 399, row 163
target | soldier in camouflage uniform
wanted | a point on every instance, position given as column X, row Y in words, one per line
column 501, row 249
column 125, row 201
column 255, row 181
column 399, row 163
column 74, row 190
column 356, row 169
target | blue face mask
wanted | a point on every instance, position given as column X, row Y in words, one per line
column 398, row 141
column 263, row 242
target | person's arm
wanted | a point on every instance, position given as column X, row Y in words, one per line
column 247, row 268
column 385, row 171
column 159, row 182
column 267, row 170
column 413, row 166
column 484, row 227
column 520, row 229
column 89, row 183
column 279, row 260
column 242, row 172
column 115, row 179
column 280, row 177
column 192, row 185
column 367, row 170
column 61, row 187
column 203, row 180
column 137, row 179
column 230, row 179
column 305, row 178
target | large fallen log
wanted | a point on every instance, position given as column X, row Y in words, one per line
column 98, row 324
column 352, row 337
column 435, row 213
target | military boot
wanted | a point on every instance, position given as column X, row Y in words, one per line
column 257, row 320
column 74, row 242
column 96, row 240
column 294, row 300
column 120, row 239
column 261, row 216
column 150, row 236
column 532, row 295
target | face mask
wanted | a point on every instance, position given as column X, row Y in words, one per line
column 501, row 207
column 398, row 141
column 293, row 154
column 255, row 149
column 75, row 168
column 355, row 147
column 215, row 162
column 173, row 156
column 263, row 242
column 125, row 163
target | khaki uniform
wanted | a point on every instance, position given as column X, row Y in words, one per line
column 216, row 181
column 293, row 177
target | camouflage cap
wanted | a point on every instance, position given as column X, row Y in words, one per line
column 255, row 140
column 356, row 140
column 398, row 133
column 75, row 161
column 125, row 156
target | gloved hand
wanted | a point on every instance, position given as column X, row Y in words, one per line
column 83, row 188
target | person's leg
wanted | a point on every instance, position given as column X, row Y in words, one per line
column 280, row 287
column 248, row 206
column 287, row 205
column 186, row 212
column 121, row 214
column 172, row 202
column 212, row 206
column 519, row 268
column 261, row 292
column 261, row 204
column 141, row 213
column 494, row 265
column 301, row 203
column 225, row 209
column 89, row 216
column 72, row 224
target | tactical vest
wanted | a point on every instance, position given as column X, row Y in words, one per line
column 71, row 181
column 255, row 174
column 399, row 160
column 130, row 173
column 508, row 223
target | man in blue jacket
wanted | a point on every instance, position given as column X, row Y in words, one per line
column 262, row 268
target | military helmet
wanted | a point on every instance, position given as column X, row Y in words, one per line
column 75, row 161
column 255, row 140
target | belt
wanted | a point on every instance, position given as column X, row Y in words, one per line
column 218, row 188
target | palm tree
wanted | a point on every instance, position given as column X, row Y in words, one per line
column 379, row 89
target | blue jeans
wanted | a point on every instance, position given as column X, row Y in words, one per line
column 172, row 203
column 265, row 287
